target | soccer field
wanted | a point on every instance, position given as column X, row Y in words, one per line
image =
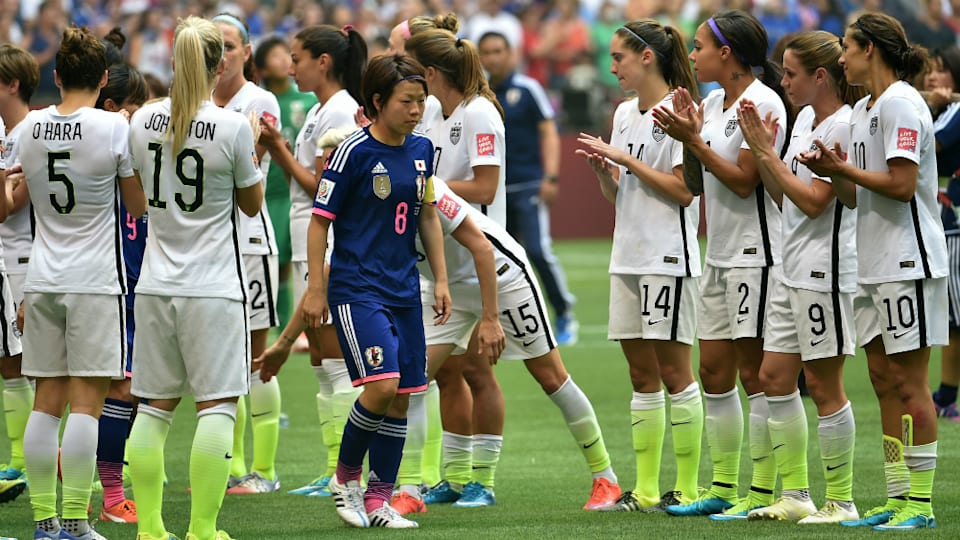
column 542, row 481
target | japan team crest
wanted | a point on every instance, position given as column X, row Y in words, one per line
column 658, row 133
column 374, row 356
column 874, row 123
column 731, row 127
column 455, row 134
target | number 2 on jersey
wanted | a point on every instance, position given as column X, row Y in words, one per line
column 196, row 182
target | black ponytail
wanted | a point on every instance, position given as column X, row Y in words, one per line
column 346, row 47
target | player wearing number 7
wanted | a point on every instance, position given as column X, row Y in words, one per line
column 74, row 158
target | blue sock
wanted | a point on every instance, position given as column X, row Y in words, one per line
column 386, row 450
column 114, row 428
column 945, row 395
column 361, row 427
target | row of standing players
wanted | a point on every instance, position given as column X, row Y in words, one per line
column 744, row 243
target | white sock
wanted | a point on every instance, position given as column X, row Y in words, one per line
column 78, row 461
column 582, row 422
column 41, row 447
column 338, row 374
column 326, row 387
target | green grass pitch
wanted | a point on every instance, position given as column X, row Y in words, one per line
column 542, row 481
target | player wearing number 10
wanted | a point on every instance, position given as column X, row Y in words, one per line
column 72, row 156
column 197, row 163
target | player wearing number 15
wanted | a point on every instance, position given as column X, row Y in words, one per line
column 198, row 164
column 72, row 156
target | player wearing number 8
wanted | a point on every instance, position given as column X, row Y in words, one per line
column 198, row 164
column 74, row 157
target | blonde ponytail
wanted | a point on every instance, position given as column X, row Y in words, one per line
column 197, row 52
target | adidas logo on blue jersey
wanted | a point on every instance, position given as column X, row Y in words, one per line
column 379, row 169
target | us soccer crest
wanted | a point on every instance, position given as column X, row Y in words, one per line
column 455, row 134
column 731, row 127
column 874, row 122
column 374, row 356
column 513, row 96
column 309, row 129
column 658, row 133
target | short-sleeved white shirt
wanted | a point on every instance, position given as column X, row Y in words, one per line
column 652, row 234
column 741, row 232
column 471, row 136
column 819, row 254
column 72, row 163
column 193, row 246
column 897, row 240
column 336, row 112
column 16, row 231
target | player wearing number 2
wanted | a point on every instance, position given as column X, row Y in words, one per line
column 655, row 264
column 890, row 174
column 74, row 309
column 198, row 164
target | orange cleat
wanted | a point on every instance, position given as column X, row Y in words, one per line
column 124, row 512
column 404, row 503
column 603, row 494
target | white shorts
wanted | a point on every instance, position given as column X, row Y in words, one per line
column 653, row 307
column 734, row 301
column 523, row 316
column 299, row 272
column 11, row 296
column 813, row 324
column 908, row 315
column 77, row 335
column 262, row 277
column 185, row 345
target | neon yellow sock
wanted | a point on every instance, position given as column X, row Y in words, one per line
column 265, row 406
column 486, row 457
column 17, row 404
column 686, row 419
column 724, row 427
column 788, row 434
column 837, row 441
column 457, row 458
column 895, row 472
column 411, row 464
column 41, row 440
column 341, row 403
column 238, row 466
column 922, row 462
column 764, row 478
column 433, row 447
column 325, row 413
column 146, row 443
column 210, row 467
column 648, row 414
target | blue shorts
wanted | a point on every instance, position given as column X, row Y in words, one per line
column 383, row 342
column 131, row 327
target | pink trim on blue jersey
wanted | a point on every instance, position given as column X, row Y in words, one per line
column 378, row 377
column 324, row 213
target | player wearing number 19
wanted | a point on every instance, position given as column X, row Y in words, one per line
column 901, row 307
column 73, row 156
column 198, row 164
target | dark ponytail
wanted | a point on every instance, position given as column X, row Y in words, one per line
column 889, row 38
column 669, row 48
column 346, row 47
column 356, row 64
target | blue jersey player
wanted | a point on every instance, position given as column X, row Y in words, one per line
column 373, row 190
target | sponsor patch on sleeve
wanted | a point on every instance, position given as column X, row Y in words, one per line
column 271, row 119
column 448, row 207
column 485, row 145
column 324, row 191
column 907, row 139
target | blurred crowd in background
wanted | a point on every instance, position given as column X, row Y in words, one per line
column 561, row 43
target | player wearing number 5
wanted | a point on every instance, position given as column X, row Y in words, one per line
column 74, row 158
column 890, row 175
column 198, row 164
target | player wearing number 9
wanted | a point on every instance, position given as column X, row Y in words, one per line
column 74, row 158
column 198, row 165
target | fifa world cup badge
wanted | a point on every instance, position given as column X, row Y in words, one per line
column 381, row 186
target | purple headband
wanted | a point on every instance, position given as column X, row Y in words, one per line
column 409, row 78
column 720, row 36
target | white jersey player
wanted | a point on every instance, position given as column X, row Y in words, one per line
column 17, row 230
column 901, row 305
column 743, row 249
column 655, row 261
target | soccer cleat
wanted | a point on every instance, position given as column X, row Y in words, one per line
column 405, row 503
column 735, row 512
column 874, row 516
column 670, row 498
column 568, row 330
column 832, row 512
column 349, row 500
column 122, row 512
column 475, row 495
column 628, row 502
column 441, row 493
column 11, row 489
column 948, row 412
column 785, row 509
column 41, row 534
column 604, row 494
column 317, row 485
column 11, row 473
column 221, row 535
column 89, row 535
column 908, row 520
column 255, row 483
column 706, row 504
column 148, row 536
column 387, row 517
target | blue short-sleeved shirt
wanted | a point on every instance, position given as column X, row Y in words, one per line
column 525, row 105
column 373, row 193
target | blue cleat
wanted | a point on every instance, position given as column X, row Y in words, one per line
column 568, row 330
column 736, row 512
column 441, row 493
column 317, row 488
column 89, row 535
column 11, row 473
column 475, row 495
column 907, row 521
column 705, row 505
column 874, row 517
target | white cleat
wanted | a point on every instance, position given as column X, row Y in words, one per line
column 387, row 517
column 349, row 500
column 785, row 509
column 832, row 512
